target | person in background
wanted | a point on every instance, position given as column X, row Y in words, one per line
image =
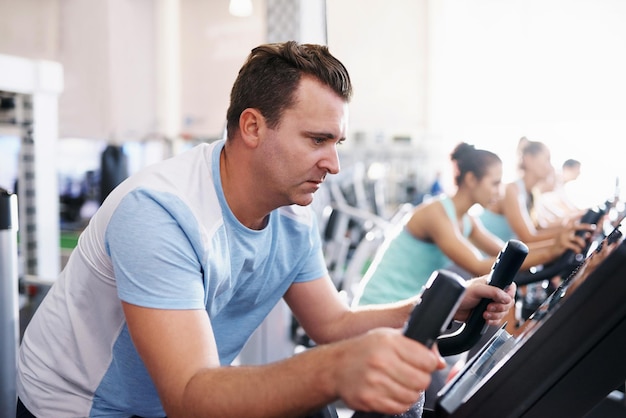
column 436, row 188
column 493, row 219
column 570, row 170
column 558, row 203
column 185, row 258
column 491, row 215
column 524, row 216
column 440, row 233
column 519, row 204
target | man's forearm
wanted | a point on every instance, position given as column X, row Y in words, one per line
column 288, row 388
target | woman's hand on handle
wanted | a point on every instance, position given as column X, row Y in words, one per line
column 479, row 288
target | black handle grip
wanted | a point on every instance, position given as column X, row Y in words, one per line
column 592, row 216
column 503, row 272
column 569, row 260
column 440, row 299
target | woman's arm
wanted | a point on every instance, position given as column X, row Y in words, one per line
column 483, row 239
column 432, row 224
column 519, row 219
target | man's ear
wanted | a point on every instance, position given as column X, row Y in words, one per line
column 251, row 124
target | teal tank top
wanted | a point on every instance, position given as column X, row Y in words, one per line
column 401, row 269
column 497, row 224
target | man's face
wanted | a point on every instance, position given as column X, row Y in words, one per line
column 296, row 156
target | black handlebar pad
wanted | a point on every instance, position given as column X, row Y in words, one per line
column 592, row 216
column 503, row 272
column 440, row 299
column 568, row 261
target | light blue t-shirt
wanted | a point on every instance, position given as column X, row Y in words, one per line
column 165, row 238
column 400, row 270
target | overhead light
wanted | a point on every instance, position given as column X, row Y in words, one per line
column 240, row 8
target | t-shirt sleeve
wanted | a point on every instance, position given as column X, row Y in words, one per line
column 154, row 242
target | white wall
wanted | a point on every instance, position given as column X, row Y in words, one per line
column 383, row 45
column 108, row 49
column 552, row 70
column 213, row 45
column 488, row 72
column 30, row 28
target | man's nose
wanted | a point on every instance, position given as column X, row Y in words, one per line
column 330, row 162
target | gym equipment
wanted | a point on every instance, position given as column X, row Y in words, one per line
column 567, row 360
column 568, row 260
column 440, row 299
column 9, row 305
column 114, row 169
column 539, row 280
column 504, row 269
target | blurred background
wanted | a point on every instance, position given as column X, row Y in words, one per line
column 91, row 91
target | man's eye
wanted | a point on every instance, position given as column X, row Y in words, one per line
column 319, row 140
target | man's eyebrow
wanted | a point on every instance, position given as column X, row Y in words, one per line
column 326, row 135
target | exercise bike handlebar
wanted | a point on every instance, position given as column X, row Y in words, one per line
column 502, row 274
